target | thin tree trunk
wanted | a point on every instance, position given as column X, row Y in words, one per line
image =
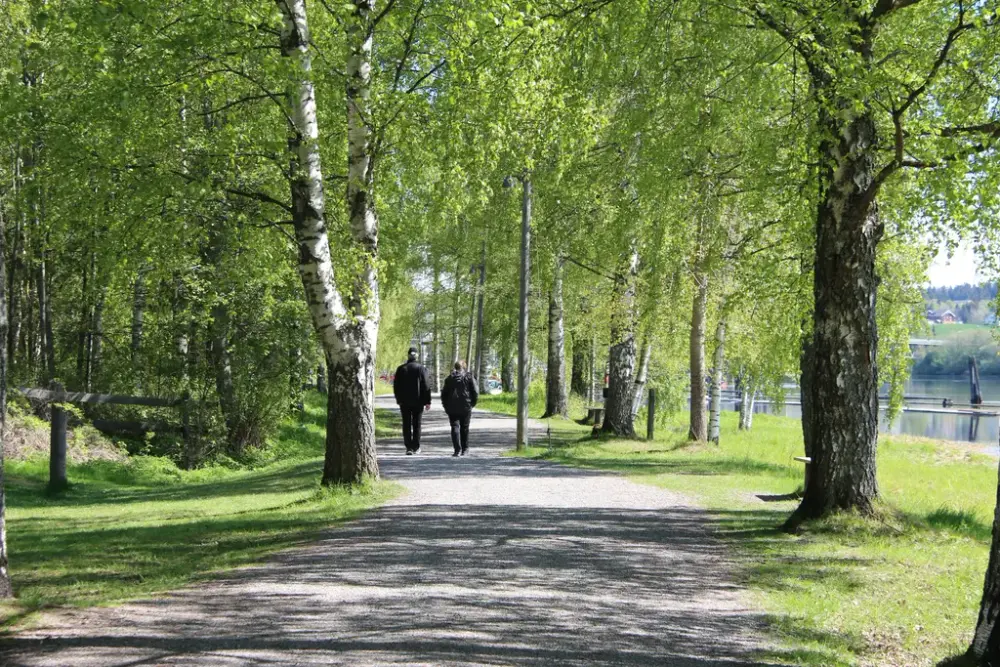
column 6, row 591
column 843, row 421
column 578, row 378
column 641, row 377
column 592, row 384
column 471, row 340
column 621, row 357
column 523, row 363
column 222, row 365
column 435, row 333
column 555, row 385
column 698, row 423
column 747, row 401
column 456, row 305
column 715, row 412
column 45, row 322
column 480, row 370
column 97, row 339
column 13, row 280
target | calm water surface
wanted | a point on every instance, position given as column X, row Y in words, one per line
column 964, row 428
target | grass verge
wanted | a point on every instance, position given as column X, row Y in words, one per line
column 142, row 526
column 901, row 590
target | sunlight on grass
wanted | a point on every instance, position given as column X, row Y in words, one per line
column 146, row 527
column 902, row 590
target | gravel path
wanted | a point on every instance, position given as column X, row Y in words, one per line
column 484, row 560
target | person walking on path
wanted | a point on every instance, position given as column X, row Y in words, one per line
column 413, row 395
column 459, row 395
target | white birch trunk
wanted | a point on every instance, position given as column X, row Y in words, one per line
column 747, row 405
column 698, row 426
column 5, row 588
column 348, row 338
column 641, row 377
column 715, row 411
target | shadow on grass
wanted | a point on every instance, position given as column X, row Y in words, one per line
column 959, row 522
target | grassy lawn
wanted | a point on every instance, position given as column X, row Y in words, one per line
column 141, row 527
column 903, row 590
column 506, row 404
column 946, row 331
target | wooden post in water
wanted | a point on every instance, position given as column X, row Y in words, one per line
column 57, row 446
column 977, row 395
column 651, row 415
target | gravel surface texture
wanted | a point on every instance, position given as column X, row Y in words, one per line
column 484, row 560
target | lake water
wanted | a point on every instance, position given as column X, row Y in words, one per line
column 963, row 428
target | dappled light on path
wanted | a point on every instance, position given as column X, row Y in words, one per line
column 484, row 560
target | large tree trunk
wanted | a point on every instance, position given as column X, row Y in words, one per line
column 985, row 647
column 471, row 340
column 698, row 429
column 555, row 385
column 5, row 588
column 348, row 338
column 843, row 416
column 641, row 377
column 621, row 357
column 715, row 411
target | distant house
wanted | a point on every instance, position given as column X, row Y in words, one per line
column 942, row 317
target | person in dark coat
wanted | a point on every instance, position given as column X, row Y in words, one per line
column 459, row 395
column 413, row 395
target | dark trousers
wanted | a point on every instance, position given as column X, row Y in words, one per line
column 411, row 427
column 460, row 431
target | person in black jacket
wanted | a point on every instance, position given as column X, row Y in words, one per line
column 413, row 395
column 459, row 395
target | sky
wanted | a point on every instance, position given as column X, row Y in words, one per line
column 961, row 268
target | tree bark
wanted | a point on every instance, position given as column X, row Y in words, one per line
column 523, row 362
column 5, row 587
column 715, row 412
column 698, row 429
column 138, row 317
column 507, row 371
column 578, row 379
column 223, row 371
column 985, row 647
column 621, row 358
column 480, row 369
column 97, row 339
column 843, row 377
column 471, row 340
column 348, row 338
column 45, row 322
column 641, row 377
column 435, row 379
column 555, row 385
column 456, row 306
column 747, row 400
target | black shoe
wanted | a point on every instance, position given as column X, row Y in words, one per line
column 464, row 452
column 455, row 454
column 417, row 450
column 409, row 452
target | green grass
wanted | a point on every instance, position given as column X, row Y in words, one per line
column 143, row 527
column 506, row 404
column 902, row 590
column 946, row 331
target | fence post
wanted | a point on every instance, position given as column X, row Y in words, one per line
column 651, row 414
column 57, row 446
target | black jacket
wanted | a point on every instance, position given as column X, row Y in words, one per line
column 411, row 388
column 460, row 393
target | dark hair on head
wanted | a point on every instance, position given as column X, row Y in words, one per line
column 412, row 352
column 459, row 365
